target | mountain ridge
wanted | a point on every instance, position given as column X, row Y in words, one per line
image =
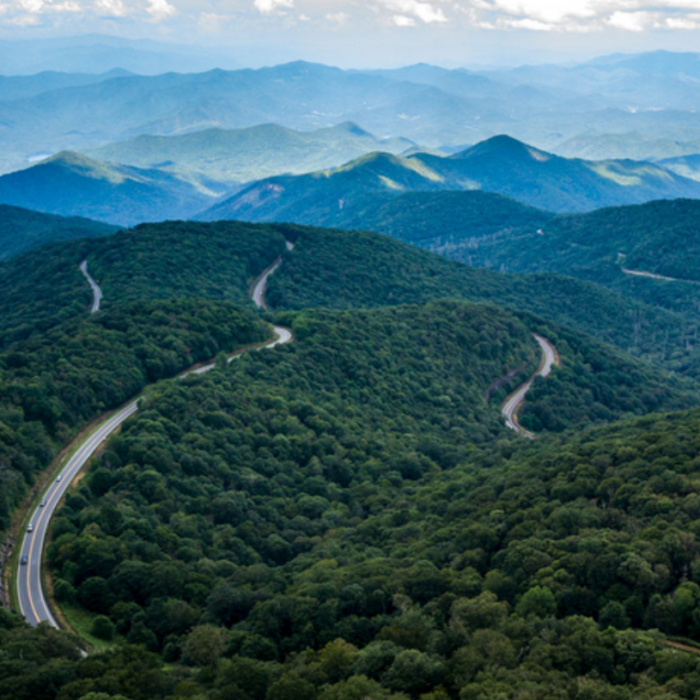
column 502, row 164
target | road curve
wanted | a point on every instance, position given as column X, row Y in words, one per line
column 96, row 291
column 30, row 592
column 512, row 404
column 259, row 287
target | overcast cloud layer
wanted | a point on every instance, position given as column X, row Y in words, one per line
column 428, row 23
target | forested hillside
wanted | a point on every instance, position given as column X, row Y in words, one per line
column 61, row 380
column 22, row 229
column 254, row 468
column 353, row 269
column 39, row 290
column 431, row 219
column 659, row 237
column 269, row 546
column 327, row 268
column 606, row 247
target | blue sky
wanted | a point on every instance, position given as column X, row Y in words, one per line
column 375, row 32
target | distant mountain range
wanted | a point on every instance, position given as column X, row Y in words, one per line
column 614, row 107
column 194, row 182
column 70, row 184
column 221, row 157
column 502, row 165
column 100, row 53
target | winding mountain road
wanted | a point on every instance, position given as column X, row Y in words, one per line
column 513, row 403
column 654, row 276
column 30, row 591
column 96, row 291
column 260, row 286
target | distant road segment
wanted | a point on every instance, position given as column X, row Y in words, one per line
column 654, row 276
column 260, row 285
column 517, row 398
column 96, row 291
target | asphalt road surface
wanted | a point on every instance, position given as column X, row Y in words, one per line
column 96, row 291
column 32, row 602
column 517, row 398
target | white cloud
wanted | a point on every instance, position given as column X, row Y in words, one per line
column 584, row 15
column 111, row 8
column 160, row 10
column 69, row 6
column 403, row 21
column 414, row 9
column 689, row 22
column 339, row 18
column 24, row 21
column 631, row 21
column 534, row 25
column 269, row 7
column 32, row 6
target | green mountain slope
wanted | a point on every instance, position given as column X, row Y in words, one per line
column 327, row 268
column 501, row 165
column 69, row 184
column 316, row 521
column 45, row 287
column 352, row 269
column 622, row 248
column 323, row 507
column 434, row 219
column 226, row 157
column 22, row 229
column 347, row 516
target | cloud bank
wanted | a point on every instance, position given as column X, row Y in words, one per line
column 583, row 16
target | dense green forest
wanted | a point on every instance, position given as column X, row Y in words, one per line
column 22, row 229
column 430, row 218
column 336, row 520
column 202, row 261
column 349, row 269
column 56, row 383
column 327, row 268
column 660, row 237
column 40, row 289
column 595, row 383
column 347, row 517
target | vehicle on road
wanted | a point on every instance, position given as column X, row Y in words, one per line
column 30, row 528
column 24, row 560
column 60, row 476
column 43, row 503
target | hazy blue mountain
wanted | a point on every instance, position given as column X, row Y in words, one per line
column 21, row 86
column 686, row 166
column 658, row 63
column 243, row 155
column 502, row 165
column 632, row 144
column 551, row 107
column 99, row 53
column 69, row 184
